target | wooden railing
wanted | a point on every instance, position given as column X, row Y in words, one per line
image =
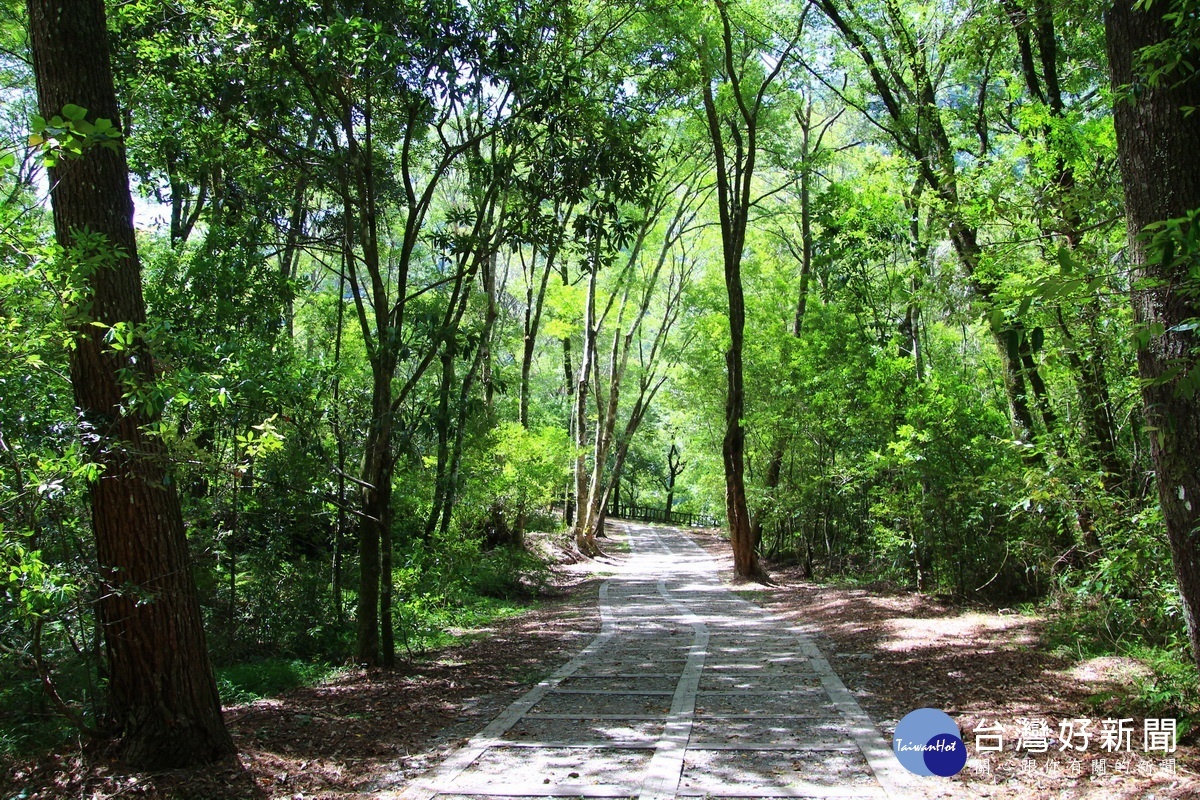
column 649, row 514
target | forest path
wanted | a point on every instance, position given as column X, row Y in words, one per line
column 688, row 690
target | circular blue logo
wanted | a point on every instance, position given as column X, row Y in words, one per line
column 928, row 742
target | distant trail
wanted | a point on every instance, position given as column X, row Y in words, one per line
column 687, row 691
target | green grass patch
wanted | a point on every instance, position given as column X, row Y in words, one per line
column 1173, row 687
column 245, row 683
column 1097, row 627
column 756, row 596
column 22, row 737
column 433, row 621
column 1170, row 690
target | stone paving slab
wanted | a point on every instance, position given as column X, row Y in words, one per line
column 643, row 732
column 758, row 702
column 629, row 666
column 765, row 666
column 790, row 769
column 619, row 682
column 777, row 733
column 560, row 764
column 687, row 691
column 713, row 681
column 583, row 704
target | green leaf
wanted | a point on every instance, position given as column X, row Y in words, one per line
column 1168, row 254
column 1065, row 262
column 74, row 112
column 1037, row 338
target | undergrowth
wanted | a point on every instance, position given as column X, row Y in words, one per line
column 454, row 587
column 432, row 621
column 245, row 683
column 443, row 591
column 1083, row 628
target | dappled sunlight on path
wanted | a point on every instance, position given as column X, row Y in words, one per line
column 688, row 690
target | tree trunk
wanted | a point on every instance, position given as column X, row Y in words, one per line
column 920, row 131
column 442, row 423
column 1157, row 145
column 489, row 288
column 568, row 384
column 376, row 492
column 339, row 533
column 733, row 447
column 605, row 427
column 534, row 303
column 733, row 201
column 805, row 254
column 583, row 538
column 1066, row 221
column 675, row 467
column 460, row 432
column 163, row 701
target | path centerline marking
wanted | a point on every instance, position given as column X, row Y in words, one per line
column 668, row 588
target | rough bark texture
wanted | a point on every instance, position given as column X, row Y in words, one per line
column 163, row 701
column 376, row 498
column 1157, row 146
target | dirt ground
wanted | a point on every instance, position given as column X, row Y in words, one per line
column 359, row 733
column 896, row 652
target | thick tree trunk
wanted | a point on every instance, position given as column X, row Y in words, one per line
column 163, row 701
column 733, row 448
column 1157, row 145
column 376, row 498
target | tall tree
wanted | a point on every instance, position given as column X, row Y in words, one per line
column 1157, row 140
column 745, row 67
column 398, row 119
column 904, row 72
column 163, row 701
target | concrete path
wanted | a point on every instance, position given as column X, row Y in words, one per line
column 687, row 691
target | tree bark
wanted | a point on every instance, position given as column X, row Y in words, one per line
column 1156, row 146
column 583, row 538
column 163, row 701
column 735, row 162
column 534, row 303
column 376, row 502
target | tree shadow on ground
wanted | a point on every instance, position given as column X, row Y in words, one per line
column 363, row 731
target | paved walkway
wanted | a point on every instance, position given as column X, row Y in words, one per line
column 687, row 691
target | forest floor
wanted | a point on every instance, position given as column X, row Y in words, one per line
column 896, row 652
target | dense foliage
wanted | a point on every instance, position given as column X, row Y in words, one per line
column 425, row 277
